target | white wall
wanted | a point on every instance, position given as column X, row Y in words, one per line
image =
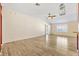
column 17, row 26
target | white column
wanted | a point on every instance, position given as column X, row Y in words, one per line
column 47, row 32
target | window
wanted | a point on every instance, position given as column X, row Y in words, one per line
column 62, row 27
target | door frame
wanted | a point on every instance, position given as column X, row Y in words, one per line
column 0, row 24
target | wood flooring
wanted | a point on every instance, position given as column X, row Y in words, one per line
column 36, row 47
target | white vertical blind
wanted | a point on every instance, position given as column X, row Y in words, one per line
column 62, row 27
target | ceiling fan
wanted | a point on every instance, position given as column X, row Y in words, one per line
column 51, row 16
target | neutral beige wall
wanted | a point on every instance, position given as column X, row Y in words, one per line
column 17, row 26
column 72, row 27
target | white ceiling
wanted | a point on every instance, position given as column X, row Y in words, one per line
column 43, row 10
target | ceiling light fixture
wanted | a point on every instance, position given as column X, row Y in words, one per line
column 51, row 16
column 37, row 4
column 62, row 9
